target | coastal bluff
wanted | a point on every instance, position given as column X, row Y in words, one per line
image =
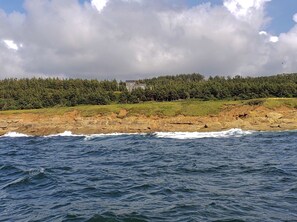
column 246, row 117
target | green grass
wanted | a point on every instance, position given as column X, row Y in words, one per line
column 278, row 102
column 183, row 107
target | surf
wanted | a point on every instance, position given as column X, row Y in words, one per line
column 168, row 135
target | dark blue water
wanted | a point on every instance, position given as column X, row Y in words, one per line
column 232, row 177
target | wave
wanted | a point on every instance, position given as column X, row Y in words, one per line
column 28, row 175
column 65, row 134
column 200, row 135
column 91, row 136
column 169, row 135
column 15, row 135
column 70, row 134
column 94, row 136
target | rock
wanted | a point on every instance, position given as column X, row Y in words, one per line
column 12, row 121
column 214, row 125
column 182, row 123
column 28, row 126
column 254, row 114
column 287, row 121
column 274, row 115
column 243, row 116
column 3, row 125
column 78, row 119
column 239, row 123
column 261, row 120
column 246, row 125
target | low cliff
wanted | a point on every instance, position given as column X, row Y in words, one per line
column 247, row 117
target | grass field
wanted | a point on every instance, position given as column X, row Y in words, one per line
column 182, row 107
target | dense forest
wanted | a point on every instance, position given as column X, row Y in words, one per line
column 41, row 93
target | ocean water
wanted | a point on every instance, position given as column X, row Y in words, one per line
column 230, row 176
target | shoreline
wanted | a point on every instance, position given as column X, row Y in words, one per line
column 245, row 117
column 236, row 132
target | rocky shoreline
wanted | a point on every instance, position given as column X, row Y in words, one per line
column 245, row 117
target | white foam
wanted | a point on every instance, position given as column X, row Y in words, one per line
column 172, row 135
column 66, row 134
column 15, row 135
column 34, row 172
column 93, row 136
column 197, row 135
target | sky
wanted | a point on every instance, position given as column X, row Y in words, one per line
column 134, row 39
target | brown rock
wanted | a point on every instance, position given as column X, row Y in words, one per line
column 3, row 125
column 215, row 125
column 274, row 115
column 243, row 116
column 254, row 119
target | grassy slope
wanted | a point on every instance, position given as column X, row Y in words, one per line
column 185, row 107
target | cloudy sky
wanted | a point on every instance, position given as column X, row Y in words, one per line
column 132, row 39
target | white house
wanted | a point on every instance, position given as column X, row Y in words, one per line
column 132, row 84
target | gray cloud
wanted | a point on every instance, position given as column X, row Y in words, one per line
column 141, row 38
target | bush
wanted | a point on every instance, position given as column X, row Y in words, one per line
column 257, row 102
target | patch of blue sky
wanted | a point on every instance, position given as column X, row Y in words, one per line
column 281, row 13
column 12, row 5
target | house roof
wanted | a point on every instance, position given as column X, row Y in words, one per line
column 132, row 81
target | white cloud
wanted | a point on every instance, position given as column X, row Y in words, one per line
column 251, row 11
column 263, row 33
column 99, row 4
column 269, row 37
column 295, row 18
column 242, row 8
column 274, row 39
column 10, row 63
column 142, row 38
column 11, row 44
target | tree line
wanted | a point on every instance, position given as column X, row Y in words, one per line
column 37, row 93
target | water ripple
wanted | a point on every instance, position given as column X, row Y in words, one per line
column 236, row 176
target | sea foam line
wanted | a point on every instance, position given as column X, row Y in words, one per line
column 93, row 136
column 70, row 134
column 200, row 135
column 65, row 134
column 15, row 135
column 169, row 135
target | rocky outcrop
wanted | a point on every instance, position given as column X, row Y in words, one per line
column 244, row 117
column 3, row 125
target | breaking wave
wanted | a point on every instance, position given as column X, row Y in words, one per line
column 169, row 135
column 198, row 135
column 94, row 136
column 65, row 134
column 15, row 135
